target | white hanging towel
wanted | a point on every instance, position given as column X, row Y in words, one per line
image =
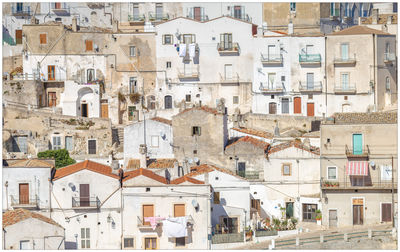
column 182, row 50
column 175, row 227
column 192, row 50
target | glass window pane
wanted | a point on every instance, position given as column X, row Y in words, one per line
column 82, row 233
column 332, row 172
column 87, row 243
column 83, row 244
column 87, row 232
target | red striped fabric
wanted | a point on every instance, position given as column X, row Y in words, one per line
column 358, row 168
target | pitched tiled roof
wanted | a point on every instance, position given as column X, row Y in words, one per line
column 186, row 178
column 294, row 143
column 206, row 168
column 359, row 29
column 382, row 19
column 88, row 165
column 162, row 120
column 204, row 108
column 152, row 163
column 144, row 172
column 14, row 216
column 248, row 139
column 254, row 132
column 29, row 163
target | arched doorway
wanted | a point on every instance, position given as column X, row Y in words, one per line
column 85, row 101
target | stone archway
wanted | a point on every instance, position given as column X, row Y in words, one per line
column 85, row 102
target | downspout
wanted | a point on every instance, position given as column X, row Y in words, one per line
column 122, row 219
column 326, row 81
column 375, row 84
column 4, row 238
column 6, row 185
column 107, row 13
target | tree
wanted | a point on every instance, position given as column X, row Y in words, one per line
column 61, row 156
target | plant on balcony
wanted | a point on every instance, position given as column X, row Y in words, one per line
column 293, row 223
column 318, row 217
column 134, row 98
column 276, row 224
column 284, row 225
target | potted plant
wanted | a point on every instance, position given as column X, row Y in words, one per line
column 276, row 224
column 284, row 224
column 318, row 217
column 293, row 223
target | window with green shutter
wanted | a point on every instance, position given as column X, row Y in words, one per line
column 357, row 144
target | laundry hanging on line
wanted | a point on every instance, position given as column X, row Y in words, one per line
column 182, row 50
column 153, row 221
column 192, row 50
column 175, row 227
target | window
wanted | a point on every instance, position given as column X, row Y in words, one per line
column 168, row 64
column 135, row 11
column 56, row 143
column 345, row 51
column 286, row 169
column 151, row 102
column 90, row 75
column 132, row 85
column 51, row 72
column 68, row 143
column 228, row 72
column 167, row 39
column 189, row 38
column 285, row 105
column 235, row 99
column 168, row 102
column 386, row 172
column 18, row 37
column 387, row 83
column 271, row 81
column 272, row 108
column 310, row 96
column 226, row 41
column 345, row 81
column 179, row 210
column 188, row 98
column 24, row 244
column 154, row 141
column 43, row 38
column 230, row 225
column 242, row 169
column 91, row 146
column 19, row 144
column 292, row 7
column 89, row 45
column 128, row 243
column 196, row 131
column 216, row 198
column 150, row 243
column 346, row 10
column 148, row 211
column 131, row 113
column 180, row 242
column 237, row 12
column 255, row 203
column 85, row 237
column 332, row 172
column 132, row 51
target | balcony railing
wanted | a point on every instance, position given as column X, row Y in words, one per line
column 345, row 89
column 267, row 87
column 271, row 59
column 351, row 153
column 249, row 174
column 310, row 86
column 228, row 48
column 60, row 9
column 85, row 202
column 24, row 202
column 243, row 16
column 310, row 58
column 136, row 18
column 389, row 57
column 200, row 18
column 21, row 11
column 191, row 73
column 234, row 79
column 345, row 61
column 158, row 16
column 334, row 185
column 26, row 76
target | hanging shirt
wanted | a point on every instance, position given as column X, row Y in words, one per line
column 182, row 50
column 175, row 227
column 192, row 50
column 153, row 221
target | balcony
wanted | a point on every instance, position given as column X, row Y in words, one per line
column 189, row 73
column 271, row 88
column 271, row 59
column 158, row 16
column 335, row 185
column 310, row 87
column 200, row 18
column 234, row 79
column 242, row 16
column 60, row 9
column 136, row 18
column 142, row 226
column 350, row 153
column 228, row 49
column 85, row 202
column 345, row 89
column 254, row 175
column 310, row 59
column 21, row 11
column 389, row 58
column 345, row 61
column 24, row 202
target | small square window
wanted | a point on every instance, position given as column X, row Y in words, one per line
column 345, row 97
column 92, row 146
column 168, row 64
column 132, row 51
column 188, row 98
column 272, row 96
column 235, row 99
column 286, row 170
column 196, row 131
column 89, row 45
column 180, row 242
column 310, row 96
column 167, row 39
column 194, row 151
column 128, row 242
column 332, row 173
column 216, row 198
column 154, row 141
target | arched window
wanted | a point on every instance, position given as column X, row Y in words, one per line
column 387, row 83
column 168, row 102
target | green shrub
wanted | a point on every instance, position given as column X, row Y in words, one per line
column 61, row 156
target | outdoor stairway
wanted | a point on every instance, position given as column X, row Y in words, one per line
column 118, row 136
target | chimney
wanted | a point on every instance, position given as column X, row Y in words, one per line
column 115, row 26
column 206, row 178
column 143, row 156
column 74, row 24
column 375, row 16
column 389, row 19
column 290, row 28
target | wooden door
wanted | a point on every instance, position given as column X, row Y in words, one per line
column 52, row 99
column 332, row 218
column 358, row 214
column 310, row 109
column 197, row 13
column 104, row 110
column 179, row 210
column 18, row 37
column 272, row 108
column 386, row 212
column 297, row 105
column 57, row 5
column 84, row 110
column 150, row 243
column 148, row 211
column 51, row 75
column 84, row 195
column 357, row 144
column 24, row 193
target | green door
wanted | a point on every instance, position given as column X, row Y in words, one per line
column 289, row 210
column 357, row 144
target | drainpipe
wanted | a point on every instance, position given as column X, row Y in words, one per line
column 122, row 218
column 4, row 238
column 6, row 185
column 326, row 81
column 375, row 84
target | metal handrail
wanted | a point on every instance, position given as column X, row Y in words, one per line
column 316, row 86
column 265, row 57
column 309, row 58
column 349, row 88
column 16, row 201
column 235, row 78
column 265, row 86
column 234, row 46
column 26, row 10
column 365, row 151
column 139, row 18
column 82, row 202
column 202, row 17
column 193, row 74
column 163, row 16
column 374, row 184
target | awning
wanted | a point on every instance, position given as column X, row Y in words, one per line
column 357, row 168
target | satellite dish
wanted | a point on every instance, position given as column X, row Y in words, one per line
column 196, row 159
column 195, row 204
column 73, row 188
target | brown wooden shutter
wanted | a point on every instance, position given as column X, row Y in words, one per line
column 386, row 212
column 179, row 210
column 148, row 211
column 216, row 198
column 310, row 109
column 84, row 194
column 18, row 37
column 24, row 193
column 297, row 105
column 89, row 45
column 43, row 38
column 51, row 73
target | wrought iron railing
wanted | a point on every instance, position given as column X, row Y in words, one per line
column 228, row 47
column 197, row 17
column 348, row 60
column 349, row 88
column 136, row 18
column 21, row 11
column 24, row 201
column 233, row 79
column 192, row 72
column 358, row 184
column 309, row 58
column 242, row 16
column 315, row 86
column 158, row 16
column 271, row 58
column 84, row 202
column 269, row 87
column 351, row 153
column 61, row 9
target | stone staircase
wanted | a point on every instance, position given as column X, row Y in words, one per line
column 118, row 136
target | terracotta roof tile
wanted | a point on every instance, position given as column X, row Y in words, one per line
column 204, row 108
column 144, row 172
column 206, row 168
column 152, row 163
column 294, row 143
column 382, row 19
column 186, row 178
column 162, row 120
column 254, row 132
column 14, row 216
column 88, row 165
column 32, row 163
column 359, row 29
column 251, row 140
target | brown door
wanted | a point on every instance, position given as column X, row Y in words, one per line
column 58, row 5
column 386, row 212
column 84, row 195
column 18, row 37
column 150, row 243
column 179, row 210
column 297, row 105
column 51, row 75
column 104, row 110
column 24, row 193
column 148, row 211
column 197, row 13
column 272, row 108
column 84, row 110
column 52, row 99
column 358, row 214
column 310, row 109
